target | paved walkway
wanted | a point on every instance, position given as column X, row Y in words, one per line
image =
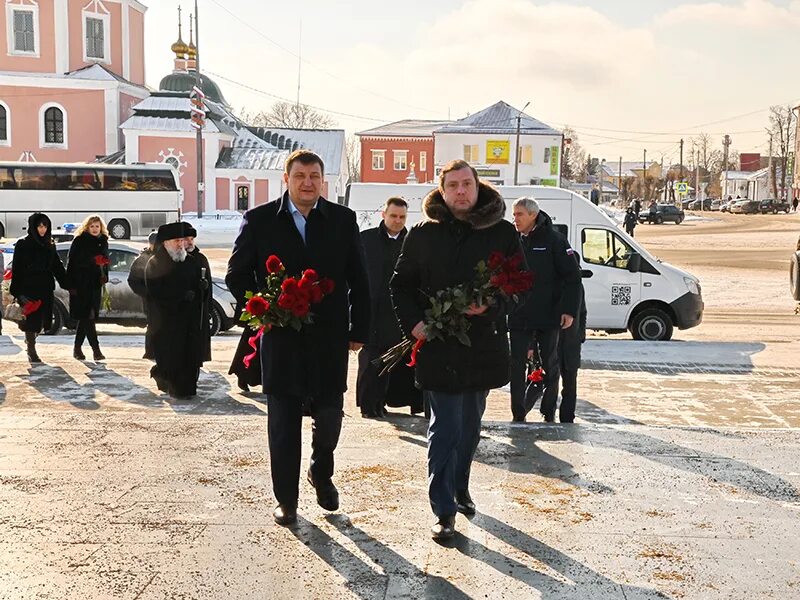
column 679, row 482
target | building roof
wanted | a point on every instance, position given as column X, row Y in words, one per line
column 327, row 143
column 171, row 111
column 500, row 119
column 252, row 158
column 184, row 81
column 629, row 169
column 405, row 128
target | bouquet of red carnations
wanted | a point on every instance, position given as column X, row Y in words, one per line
column 284, row 302
column 500, row 277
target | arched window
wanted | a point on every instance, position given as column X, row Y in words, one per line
column 3, row 124
column 53, row 126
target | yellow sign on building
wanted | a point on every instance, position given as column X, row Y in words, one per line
column 497, row 152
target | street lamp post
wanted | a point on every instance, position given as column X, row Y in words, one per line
column 516, row 152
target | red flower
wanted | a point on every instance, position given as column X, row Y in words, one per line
column 257, row 306
column 289, row 286
column 310, row 275
column 274, row 264
column 7, row 275
column 101, row 261
column 286, row 301
column 305, row 284
column 300, row 309
column 513, row 263
column 536, row 376
column 326, row 285
column 316, row 294
column 496, row 259
column 31, row 306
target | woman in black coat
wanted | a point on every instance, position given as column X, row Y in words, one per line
column 34, row 270
column 87, row 271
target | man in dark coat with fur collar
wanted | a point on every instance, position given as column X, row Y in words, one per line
column 464, row 226
column 305, row 371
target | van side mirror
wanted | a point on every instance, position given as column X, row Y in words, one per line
column 635, row 262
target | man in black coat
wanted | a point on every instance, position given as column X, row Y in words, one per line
column 551, row 305
column 175, row 289
column 464, row 226
column 207, row 295
column 305, row 371
column 569, row 356
column 373, row 391
column 137, row 283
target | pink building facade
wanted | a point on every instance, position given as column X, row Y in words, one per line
column 71, row 74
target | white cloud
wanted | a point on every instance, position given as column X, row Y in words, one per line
column 748, row 14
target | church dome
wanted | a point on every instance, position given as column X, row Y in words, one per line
column 184, row 81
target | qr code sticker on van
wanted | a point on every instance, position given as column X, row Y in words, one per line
column 620, row 294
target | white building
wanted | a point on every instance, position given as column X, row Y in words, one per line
column 754, row 185
column 487, row 141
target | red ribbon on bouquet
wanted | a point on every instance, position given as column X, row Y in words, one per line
column 414, row 351
column 536, row 376
column 253, row 343
column 31, row 306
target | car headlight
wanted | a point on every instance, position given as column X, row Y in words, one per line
column 692, row 286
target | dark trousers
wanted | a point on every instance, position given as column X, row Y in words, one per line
column 370, row 387
column 87, row 329
column 284, row 426
column 453, row 435
column 546, row 341
column 569, row 395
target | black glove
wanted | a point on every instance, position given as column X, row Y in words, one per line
column 188, row 295
column 22, row 300
column 204, row 284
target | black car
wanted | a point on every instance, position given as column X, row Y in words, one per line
column 695, row 204
column 664, row 213
column 774, row 206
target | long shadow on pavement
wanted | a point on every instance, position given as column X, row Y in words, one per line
column 54, row 383
column 363, row 580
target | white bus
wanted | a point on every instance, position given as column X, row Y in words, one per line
column 132, row 199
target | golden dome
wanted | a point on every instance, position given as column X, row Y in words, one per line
column 180, row 48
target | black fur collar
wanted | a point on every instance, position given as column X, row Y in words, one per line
column 488, row 210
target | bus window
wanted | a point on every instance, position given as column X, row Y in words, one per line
column 119, row 180
column 36, row 178
column 7, row 181
column 156, row 181
column 80, row 179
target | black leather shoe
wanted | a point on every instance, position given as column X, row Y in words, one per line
column 78, row 354
column 518, row 419
column 285, row 514
column 327, row 494
column 444, row 529
column 548, row 418
column 97, row 355
column 464, row 503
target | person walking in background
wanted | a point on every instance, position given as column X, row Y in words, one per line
column 87, row 272
column 382, row 247
column 137, row 283
column 305, row 371
column 550, row 306
column 464, row 226
column 193, row 252
column 34, row 271
column 795, row 202
column 630, row 221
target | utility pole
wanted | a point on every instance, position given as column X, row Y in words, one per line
column 771, row 177
column 681, row 161
column 726, row 142
column 644, row 176
column 602, row 170
column 198, row 82
column 516, row 151
column 697, row 193
column 619, row 179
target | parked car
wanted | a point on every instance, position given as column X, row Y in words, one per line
column 695, row 204
column 745, row 207
column 664, row 213
column 126, row 307
column 716, row 204
column 774, row 206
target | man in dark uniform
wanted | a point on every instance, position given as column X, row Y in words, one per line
column 136, row 281
column 550, row 306
column 305, row 370
column 382, row 246
column 207, row 296
column 175, row 288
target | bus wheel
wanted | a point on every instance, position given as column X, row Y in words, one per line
column 119, row 229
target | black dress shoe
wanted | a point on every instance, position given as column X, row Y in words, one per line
column 444, row 529
column 327, row 494
column 285, row 514
column 548, row 418
column 464, row 503
column 97, row 355
column 518, row 419
column 78, row 354
column 240, row 383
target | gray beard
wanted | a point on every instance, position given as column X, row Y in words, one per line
column 176, row 255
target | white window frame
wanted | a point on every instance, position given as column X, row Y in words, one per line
column 423, row 161
column 474, row 153
column 106, row 20
column 400, row 157
column 236, row 183
column 10, row 9
column 6, row 142
column 42, row 110
column 379, row 154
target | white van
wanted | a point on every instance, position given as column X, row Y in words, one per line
column 626, row 286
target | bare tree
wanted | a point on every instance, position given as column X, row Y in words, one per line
column 353, row 152
column 290, row 116
column 780, row 127
column 574, row 167
column 626, row 190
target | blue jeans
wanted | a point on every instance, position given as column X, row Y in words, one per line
column 453, row 435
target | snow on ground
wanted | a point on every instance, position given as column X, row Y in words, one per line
column 216, row 228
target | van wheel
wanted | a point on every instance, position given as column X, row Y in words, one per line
column 651, row 325
column 119, row 229
column 59, row 318
column 794, row 275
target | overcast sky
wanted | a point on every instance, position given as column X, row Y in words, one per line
column 628, row 75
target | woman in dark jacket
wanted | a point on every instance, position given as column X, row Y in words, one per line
column 87, row 271
column 34, row 270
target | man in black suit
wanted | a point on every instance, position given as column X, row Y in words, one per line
column 305, row 371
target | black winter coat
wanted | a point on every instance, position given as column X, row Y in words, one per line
column 382, row 253
column 175, row 304
column 312, row 362
column 556, row 279
column 34, row 270
column 442, row 252
column 86, row 277
column 206, row 302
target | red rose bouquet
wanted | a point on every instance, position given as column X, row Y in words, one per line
column 499, row 278
column 284, row 302
column 30, row 307
column 101, row 261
